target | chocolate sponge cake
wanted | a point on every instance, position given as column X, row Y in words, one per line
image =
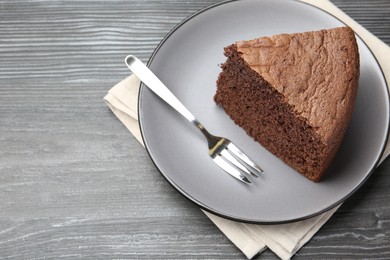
column 293, row 93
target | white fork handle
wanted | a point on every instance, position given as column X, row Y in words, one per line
column 155, row 84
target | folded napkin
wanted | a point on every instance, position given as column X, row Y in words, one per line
column 283, row 239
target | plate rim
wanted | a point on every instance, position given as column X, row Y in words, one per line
column 142, row 87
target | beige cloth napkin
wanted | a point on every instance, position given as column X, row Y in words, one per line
column 284, row 239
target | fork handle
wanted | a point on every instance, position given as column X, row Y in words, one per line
column 155, row 84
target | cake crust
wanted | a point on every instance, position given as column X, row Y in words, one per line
column 293, row 93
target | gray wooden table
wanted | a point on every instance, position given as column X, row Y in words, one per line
column 75, row 184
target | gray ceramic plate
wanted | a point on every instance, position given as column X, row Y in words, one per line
column 188, row 62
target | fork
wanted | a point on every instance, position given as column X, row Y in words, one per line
column 221, row 150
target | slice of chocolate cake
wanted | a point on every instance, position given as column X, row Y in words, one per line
column 293, row 93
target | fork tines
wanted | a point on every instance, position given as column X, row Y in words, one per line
column 232, row 160
column 240, row 155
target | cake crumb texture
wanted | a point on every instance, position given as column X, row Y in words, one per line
column 293, row 93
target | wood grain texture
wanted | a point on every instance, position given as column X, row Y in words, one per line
column 74, row 183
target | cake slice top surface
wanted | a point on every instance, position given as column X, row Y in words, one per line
column 317, row 73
